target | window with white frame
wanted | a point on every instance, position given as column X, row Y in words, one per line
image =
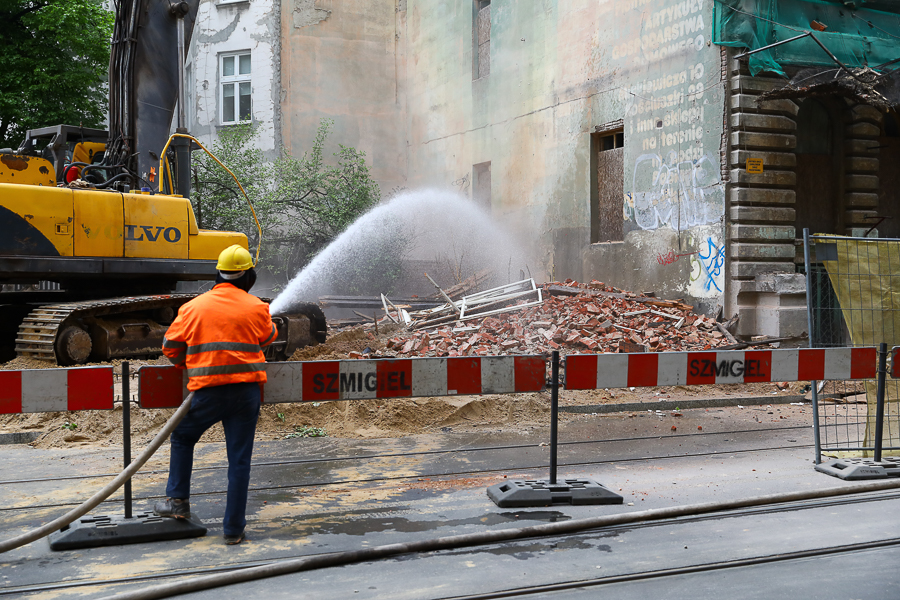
column 235, row 88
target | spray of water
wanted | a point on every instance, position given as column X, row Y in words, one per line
column 427, row 225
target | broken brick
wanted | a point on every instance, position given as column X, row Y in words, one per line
column 579, row 317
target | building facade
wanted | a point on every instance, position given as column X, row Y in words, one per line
column 593, row 128
column 232, row 71
column 612, row 135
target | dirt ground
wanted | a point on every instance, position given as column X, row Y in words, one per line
column 357, row 418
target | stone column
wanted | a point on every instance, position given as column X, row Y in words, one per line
column 861, row 168
column 762, row 205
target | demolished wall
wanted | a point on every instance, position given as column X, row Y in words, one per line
column 558, row 72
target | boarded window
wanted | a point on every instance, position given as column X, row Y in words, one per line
column 607, row 197
column 481, row 190
column 482, row 39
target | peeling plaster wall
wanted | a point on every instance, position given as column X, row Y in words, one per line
column 560, row 68
column 344, row 60
column 224, row 27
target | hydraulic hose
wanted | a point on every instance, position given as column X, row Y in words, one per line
column 285, row 567
column 106, row 492
column 164, row 164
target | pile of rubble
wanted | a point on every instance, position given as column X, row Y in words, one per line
column 573, row 318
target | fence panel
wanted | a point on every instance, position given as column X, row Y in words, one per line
column 853, row 300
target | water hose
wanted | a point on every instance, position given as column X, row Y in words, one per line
column 106, row 492
column 295, row 565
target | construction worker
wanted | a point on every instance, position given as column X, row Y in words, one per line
column 218, row 338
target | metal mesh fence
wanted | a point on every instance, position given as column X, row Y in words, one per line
column 853, row 299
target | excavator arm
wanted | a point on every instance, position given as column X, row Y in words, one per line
column 115, row 241
column 145, row 75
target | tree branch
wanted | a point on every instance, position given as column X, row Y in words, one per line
column 31, row 9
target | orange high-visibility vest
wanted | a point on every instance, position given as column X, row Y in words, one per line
column 218, row 337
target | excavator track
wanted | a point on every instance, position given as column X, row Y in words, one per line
column 68, row 332
column 71, row 333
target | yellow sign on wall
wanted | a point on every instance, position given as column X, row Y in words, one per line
column 754, row 165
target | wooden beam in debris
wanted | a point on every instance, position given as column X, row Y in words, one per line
column 442, row 293
column 460, row 289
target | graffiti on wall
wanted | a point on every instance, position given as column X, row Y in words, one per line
column 711, row 260
column 462, row 184
column 675, row 194
column 670, row 257
column 705, row 252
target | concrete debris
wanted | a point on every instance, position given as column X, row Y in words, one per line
column 569, row 317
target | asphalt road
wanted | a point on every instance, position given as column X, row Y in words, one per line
column 311, row 497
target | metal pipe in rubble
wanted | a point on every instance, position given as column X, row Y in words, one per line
column 285, row 567
column 106, row 492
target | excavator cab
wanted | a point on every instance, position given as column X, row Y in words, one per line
column 52, row 155
column 85, row 154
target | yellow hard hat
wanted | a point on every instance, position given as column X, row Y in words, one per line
column 234, row 258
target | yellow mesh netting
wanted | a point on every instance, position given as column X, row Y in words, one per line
column 865, row 275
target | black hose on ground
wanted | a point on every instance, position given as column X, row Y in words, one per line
column 107, row 491
column 488, row 537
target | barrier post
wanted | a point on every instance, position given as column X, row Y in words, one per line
column 554, row 413
column 879, row 400
column 519, row 493
column 114, row 530
column 126, row 432
column 809, row 327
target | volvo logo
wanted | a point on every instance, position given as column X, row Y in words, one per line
column 138, row 233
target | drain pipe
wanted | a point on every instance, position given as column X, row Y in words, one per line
column 286, row 567
column 106, row 492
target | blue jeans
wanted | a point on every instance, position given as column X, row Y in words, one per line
column 237, row 406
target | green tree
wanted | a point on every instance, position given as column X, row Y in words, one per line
column 54, row 56
column 217, row 200
column 302, row 203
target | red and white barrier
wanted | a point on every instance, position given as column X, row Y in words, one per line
column 592, row 371
column 163, row 386
column 52, row 390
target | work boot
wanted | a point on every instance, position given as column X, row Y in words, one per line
column 232, row 540
column 178, row 508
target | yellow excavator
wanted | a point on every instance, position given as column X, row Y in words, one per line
column 93, row 238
